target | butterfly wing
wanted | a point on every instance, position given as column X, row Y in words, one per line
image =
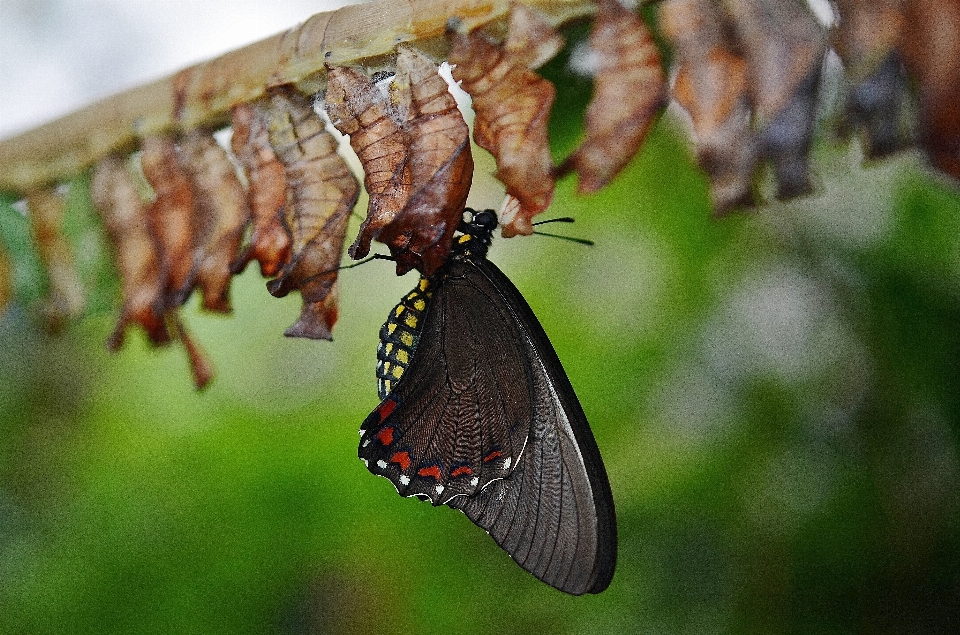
column 554, row 514
column 485, row 420
column 458, row 418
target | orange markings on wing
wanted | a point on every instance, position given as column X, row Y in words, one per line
column 463, row 470
column 386, row 408
column 431, row 471
column 402, row 459
column 491, row 456
column 385, row 436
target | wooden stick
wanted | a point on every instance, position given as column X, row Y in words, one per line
column 202, row 95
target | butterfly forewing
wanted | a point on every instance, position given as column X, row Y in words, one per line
column 554, row 514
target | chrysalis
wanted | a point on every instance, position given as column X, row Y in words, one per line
column 65, row 298
column 437, row 159
column 356, row 107
column 135, row 249
column 931, row 48
column 711, row 85
column 512, row 105
column 441, row 166
column 629, row 91
column 321, row 193
column 866, row 41
column 171, row 215
column 266, row 192
column 221, row 215
column 783, row 44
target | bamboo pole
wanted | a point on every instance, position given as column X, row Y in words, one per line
column 202, row 95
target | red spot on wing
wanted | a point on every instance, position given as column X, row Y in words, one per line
column 491, row 456
column 385, row 436
column 386, row 408
column 433, row 470
column 402, row 459
column 463, row 470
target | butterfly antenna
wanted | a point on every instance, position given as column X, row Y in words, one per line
column 350, row 266
column 359, row 262
column 562, row 219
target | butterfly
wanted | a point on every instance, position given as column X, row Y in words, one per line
column 477, row 413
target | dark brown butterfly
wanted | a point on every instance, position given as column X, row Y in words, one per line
column 477, row 413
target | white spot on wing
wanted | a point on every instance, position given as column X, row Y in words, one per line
column 366, row 462
column 382, row 464
column 439, row 489
column 404, row 479
column 366, row 443
column 474, row 481
column 506, row 464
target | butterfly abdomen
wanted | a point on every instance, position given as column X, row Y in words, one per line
column 399, row 336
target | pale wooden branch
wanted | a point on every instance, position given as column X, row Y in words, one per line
column 202, row 95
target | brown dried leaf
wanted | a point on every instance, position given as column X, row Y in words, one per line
column 931, row 48
column 711, row 85
column 441, row 169
column 135, row 249
column 512, row 106
column 628, row 92
column 65, row 299
column 356, row 107
column 221, row 216
column 321, row 194
column 266, row 192
column 171, row 215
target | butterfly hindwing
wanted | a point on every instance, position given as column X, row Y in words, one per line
column 451, row 425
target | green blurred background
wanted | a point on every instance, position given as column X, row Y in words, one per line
column 775, row 396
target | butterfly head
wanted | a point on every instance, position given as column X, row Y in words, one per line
column 476, row 233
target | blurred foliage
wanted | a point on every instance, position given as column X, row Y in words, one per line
column 85, row 234
column 27, row 278
column 775, row 396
